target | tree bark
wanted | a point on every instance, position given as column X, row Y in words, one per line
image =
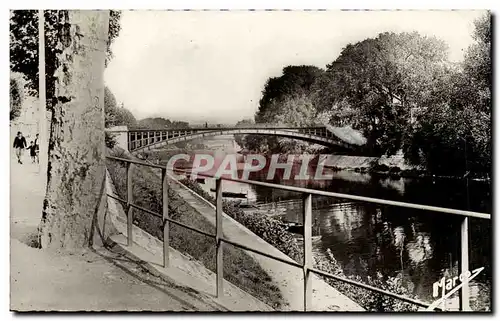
column 76, row 167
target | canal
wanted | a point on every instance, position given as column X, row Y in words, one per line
column 375, row 241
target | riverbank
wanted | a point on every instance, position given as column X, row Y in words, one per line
column 288, row 279
column 147, row 193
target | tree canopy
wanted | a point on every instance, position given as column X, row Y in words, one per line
column 384, row 79
column 161, row 123
column 24, row 45
column 16, row 95
column 115, row 115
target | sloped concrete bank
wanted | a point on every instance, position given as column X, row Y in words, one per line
column 184, row 270
column 289, row 279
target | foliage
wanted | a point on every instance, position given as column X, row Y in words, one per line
column 24, row 45
column 369, row 300
column 269, row 229
column 109, row 140
column 240, row 139
column 295, row 80
column 115, row 115
column 383, row 79
column 453, row 135
column 16, row 95
column 239, row 268
column 287, row 100
column 161, row 123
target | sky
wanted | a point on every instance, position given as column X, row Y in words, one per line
column 211, row 66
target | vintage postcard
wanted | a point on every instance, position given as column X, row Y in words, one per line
column 251, row 160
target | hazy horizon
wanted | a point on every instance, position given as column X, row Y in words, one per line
column 211, row 66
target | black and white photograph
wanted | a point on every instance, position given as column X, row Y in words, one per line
column 251, row 160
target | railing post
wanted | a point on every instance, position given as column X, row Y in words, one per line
column 130, row 219
column 307, row 205
column 218, row 233
column 166, row 223
column 464, row 264
column 129, row 136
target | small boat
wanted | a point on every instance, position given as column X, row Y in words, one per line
column 231, row 194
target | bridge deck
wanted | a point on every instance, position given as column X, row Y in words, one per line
column 146, row 139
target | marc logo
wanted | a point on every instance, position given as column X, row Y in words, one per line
column 449, row 286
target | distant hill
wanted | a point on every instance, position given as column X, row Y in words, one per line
column 160, row 123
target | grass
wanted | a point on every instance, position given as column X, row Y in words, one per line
column 239, row 268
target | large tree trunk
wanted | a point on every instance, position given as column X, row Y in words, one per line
column 76, row 168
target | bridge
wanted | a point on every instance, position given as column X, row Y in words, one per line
column 140, row 140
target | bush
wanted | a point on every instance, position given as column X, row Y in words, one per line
column 267, row 228
column 109, row 140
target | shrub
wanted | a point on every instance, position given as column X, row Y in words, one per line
column 267, row 228
column 109, row 140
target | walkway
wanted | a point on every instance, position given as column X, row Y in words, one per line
column 91, row 280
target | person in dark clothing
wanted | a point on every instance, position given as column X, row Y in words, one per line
column 37, row 149
column 32, row 149
column 19, row 145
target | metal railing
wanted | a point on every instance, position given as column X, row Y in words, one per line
column 144, row 138
column 307, row 265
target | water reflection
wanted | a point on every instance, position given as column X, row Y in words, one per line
column 369, row 240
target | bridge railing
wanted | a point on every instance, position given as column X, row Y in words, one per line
column 307, row 265
column 143, row 138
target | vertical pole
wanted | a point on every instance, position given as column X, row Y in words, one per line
column 464, row 264
column 148, row 141
column 42, row 129
column 130, row 219
column 129, row 136
column 218, row 228
column 307, row 251
column 166, row 223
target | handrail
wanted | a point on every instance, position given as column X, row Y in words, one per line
column 325, row 193
column 307, row 265
column 198, row 129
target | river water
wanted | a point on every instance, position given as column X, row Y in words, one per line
column 369, row 240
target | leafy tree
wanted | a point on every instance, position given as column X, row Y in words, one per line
column 24, row 45
column 384, row 79
column 454, row 135
column 16, row 96
column 295, row 80
column 287, row 100
column 115, row 115
column 161, row 123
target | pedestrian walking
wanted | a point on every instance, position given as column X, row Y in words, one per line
column 32, row 149
column 37, row 149
column 19, row 145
